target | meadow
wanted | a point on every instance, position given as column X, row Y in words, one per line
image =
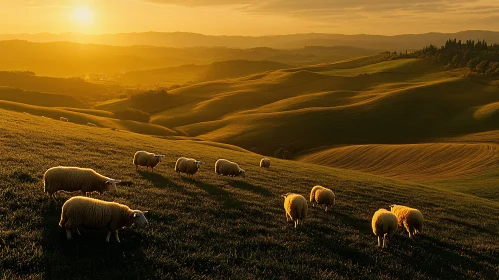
column 210, row 227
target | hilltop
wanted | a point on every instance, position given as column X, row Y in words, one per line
column 216, row 227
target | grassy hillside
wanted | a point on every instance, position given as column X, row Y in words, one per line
column 75, row 87
column 104, row 120
column 214, row 227
column 198, row 73
column 398, row 101
column 40, row 98
column 470, row 168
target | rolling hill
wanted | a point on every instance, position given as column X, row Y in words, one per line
column 105, row 62
column 388, row 102
column 198, row 73
column 215, row 227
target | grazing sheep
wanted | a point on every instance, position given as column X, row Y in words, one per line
column 411, row 219
column 63, row 119
column 321, row 195
column 384, row 224
column 188, row 166
column 26, row 113
column 296, row 208
column 146, row 159
column 73, row 179
column 89, row 213
column 265, row 162
column 228, row 168
column 91, row 124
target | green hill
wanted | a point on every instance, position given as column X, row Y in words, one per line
column 398, row 101
column 215, row 227
column 198, row 73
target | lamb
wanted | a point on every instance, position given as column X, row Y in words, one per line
column 146, row 159
column 321, row 195
column 384, row 224
column 63, row 119
column 71, row 179
column 91, row 124
column 188, row 166
column 265, row 162
column 296, row 208
column 83, row 212
column 228, row 168
column 411, row 219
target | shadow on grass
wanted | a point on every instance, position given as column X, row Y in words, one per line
column 160, row 181
column 249, row 187
column 89, row 256
column 458, row 260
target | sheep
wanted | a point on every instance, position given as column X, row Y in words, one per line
column 228, row 168
column 146, row 159
column 296, row 208
column 265, row 162
column 321, row 195
column 71, row 179
column 63, row 119
column 188, row 166
column 411, row 219
column 26, row 113
column 384, row 224
column 91, row 124
column 84, row 212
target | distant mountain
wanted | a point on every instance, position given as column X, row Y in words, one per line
column 182, row 39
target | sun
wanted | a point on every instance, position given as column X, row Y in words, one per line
column 82, row 15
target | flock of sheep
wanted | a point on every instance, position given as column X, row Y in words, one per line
column 86, row 212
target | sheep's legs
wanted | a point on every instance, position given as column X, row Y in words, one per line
column 385, row 243
column 116, row 235
column 326, row 209
column 68, row 234
column 78, row 231
column 379, row 241
column 108, row 236
column 410, row 235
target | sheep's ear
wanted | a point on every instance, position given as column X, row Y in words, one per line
column 135, row 215
column 145, row 212
column 108, row 182
column 284, row 195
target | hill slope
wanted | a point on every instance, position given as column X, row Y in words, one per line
column 215, row 227
column 399, row 101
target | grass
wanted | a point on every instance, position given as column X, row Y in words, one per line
column 467, row 167
column 210, row 227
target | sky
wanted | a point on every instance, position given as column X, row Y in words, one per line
column 248, row 17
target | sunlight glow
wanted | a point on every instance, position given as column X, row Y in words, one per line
column 82, row 15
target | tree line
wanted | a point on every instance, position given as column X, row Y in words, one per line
column 479, row 57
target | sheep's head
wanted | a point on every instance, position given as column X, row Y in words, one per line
column 242, row 173
column 159, row 157
column 198, row 164
column 111, row 185
column 285, row 195
column 139, row 218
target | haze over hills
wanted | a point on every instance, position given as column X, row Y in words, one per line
column 74, row 59
column 291, row 41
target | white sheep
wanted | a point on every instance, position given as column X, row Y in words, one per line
column 296, row 208
column 188, row 166
column 71, row 179
column 84, row 212
column 411, row 219
column 321, row 195
column 143, row 158
column 384, row 224
column 63, row 119
column 265, row 162
column 26, row 113
column 91, row 124
column 228, row 168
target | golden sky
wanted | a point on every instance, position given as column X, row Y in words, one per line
column 248, row 17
